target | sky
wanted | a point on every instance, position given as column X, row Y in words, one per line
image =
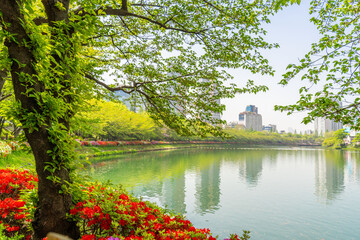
column 293, row 31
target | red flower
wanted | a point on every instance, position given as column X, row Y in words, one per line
column 12, row 229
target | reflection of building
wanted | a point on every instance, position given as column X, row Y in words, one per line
column 329, row 175
column 208, row 189
column 251, row 119
column 174, row 194
column 152, row 190
column 251, row 169
column 352, row 168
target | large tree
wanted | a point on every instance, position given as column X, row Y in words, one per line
column 171, row 55
column 330, row 70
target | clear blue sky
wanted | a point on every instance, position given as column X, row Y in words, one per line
column 292, row 29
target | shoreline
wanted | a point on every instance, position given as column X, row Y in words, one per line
column 90, row 154
column 103, row 151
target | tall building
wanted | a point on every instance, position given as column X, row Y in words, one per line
column 134, row 105
column 251, row 108
column 213, row 92
column 251, row 119
column 323, row 125
column 270, row 128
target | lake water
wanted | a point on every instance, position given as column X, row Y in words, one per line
column 276, row 193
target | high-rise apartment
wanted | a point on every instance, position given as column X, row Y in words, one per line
column 323, row 125
column 251, row 119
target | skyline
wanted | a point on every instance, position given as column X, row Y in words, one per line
column 293, row 31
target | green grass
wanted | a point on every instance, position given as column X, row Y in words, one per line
column 25, row 159
column 99, row 151
column 18, row 159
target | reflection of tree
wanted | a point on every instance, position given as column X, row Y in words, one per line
column 329, row 174
column 208, row 188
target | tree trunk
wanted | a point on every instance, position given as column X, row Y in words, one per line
column 50, row 215
column 53, row 206
column 2, row 122
column 16, row 129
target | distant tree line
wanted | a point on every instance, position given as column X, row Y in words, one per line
column 109, row 120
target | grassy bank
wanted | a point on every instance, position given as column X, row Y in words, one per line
column 25, row 159
column 99, row 151
column 18, row 159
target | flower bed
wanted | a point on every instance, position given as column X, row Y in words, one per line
column 102, row 212
column 14, row 215
column 142, row 142
column 5, row 149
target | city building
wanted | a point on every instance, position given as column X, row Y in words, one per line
column 234, row 125
column 251, row 119
column 323, row 125
column 251, row 108
column 270, row 128
column 132, row 104
column 309, row 132
column 212, row 93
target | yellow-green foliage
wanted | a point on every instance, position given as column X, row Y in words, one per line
column 255, row 137
column 335, row 139
column 113, row 121
column 356, row 141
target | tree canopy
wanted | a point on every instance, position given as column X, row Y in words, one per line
column 330, row 71
column 169, row 55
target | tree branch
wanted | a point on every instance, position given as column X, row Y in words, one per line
column 146, row 5
column 112, row 89
column 5, row 97
column 124, row 5
column 121, row 12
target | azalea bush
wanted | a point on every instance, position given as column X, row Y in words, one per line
column 101, row 211
column 108, row 212
column 15, row 212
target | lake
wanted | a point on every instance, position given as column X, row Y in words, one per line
column 276, row 193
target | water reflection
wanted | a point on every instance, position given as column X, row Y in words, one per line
column 329, row 175
column 210, row 182
column 250, row 167
column 352, row 166
column 208, row 188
